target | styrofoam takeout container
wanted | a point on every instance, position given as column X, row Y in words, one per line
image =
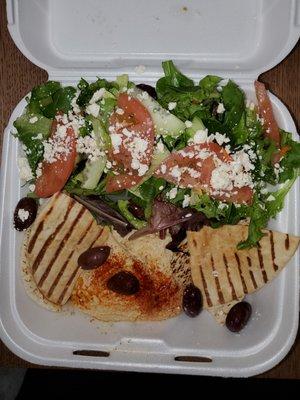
column 104, row 38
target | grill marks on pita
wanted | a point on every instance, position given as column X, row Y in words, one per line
column 61, row 232
column 225, row 274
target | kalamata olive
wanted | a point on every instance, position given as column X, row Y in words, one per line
column 238, row 316
column 192, row 301
column 149, row 89
column 94, row 257
column 136, row 210
column 124, row 283
column 25, row 213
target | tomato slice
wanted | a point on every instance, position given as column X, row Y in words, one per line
column 266, row 113
column 132, row 126
column 55, row 175
column 122, row 181
column 192, row 168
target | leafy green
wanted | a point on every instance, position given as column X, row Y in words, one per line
column 292, row 158
column 189, row 98
column 61, row 101
column 209, row 83
column 49, row 98
column 88, row 89
column 145, row 194
column 174, row 77
column 234, row 103
column 29, row 134
column 135, row 222
column 263, row 210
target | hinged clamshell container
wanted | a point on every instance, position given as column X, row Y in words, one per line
column 70, row 39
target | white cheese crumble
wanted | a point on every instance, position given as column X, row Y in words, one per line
column 120, row 111
column 31, row 188
column 271, row 198
column 200, row 136
column 140, row 69
column 33, row 120
column 116, row 141
column 186, row 201
column 97, row 96
column 75, row 107
column 220, row 108
column 23, row 214
column 161, row 187
column 160, row 147
column 93, row 109
column 236, row 174
column 172, row 193
column 172, row 105
column 88, row 145
column 24, row 169
column 220, row 139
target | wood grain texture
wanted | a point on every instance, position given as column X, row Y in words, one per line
column 18, row 76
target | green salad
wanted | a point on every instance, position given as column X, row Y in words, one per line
column 171, row 158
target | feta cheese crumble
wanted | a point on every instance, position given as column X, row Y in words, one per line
column 172, row 105
column 23, row 214
column 24, row 169
column 93, row 109
column 220, row 108
column 186, row 201
column 33, row 120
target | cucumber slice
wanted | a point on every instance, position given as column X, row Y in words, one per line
column 93, row 170
column 165, row 122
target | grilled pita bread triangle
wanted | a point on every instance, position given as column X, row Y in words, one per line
column 61, row 232
column 160, row 294
column 225, row 274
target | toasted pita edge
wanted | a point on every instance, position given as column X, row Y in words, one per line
column 219, row 311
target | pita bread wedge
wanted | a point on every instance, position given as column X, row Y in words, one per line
column 160, row 293
column 61, row 232
column 225, row 274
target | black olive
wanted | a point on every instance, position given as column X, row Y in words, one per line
column 25, row 213
column 238, row 316
column 94, row 257
column 136, row 210
column 124, row 283
column 192, row 301
column 149, row 89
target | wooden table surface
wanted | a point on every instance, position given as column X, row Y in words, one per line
column 17, row 78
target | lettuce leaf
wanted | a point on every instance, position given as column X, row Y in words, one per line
column 29, row 134
column 49, row 98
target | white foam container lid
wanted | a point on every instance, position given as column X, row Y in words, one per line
column 104, row 38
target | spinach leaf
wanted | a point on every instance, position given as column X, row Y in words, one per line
column 174, row 77
column 291, row 160
column 61, row 101
column 88, row 89
column 209, row 83
column 234, row 103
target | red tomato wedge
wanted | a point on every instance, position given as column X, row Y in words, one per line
column 124, row 181
column 55, row 175
column 132, row 126
column 188, row 168
column 266, row 112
